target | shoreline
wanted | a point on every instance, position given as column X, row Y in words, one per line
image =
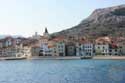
column 64, row 58
column 109, row 58
column 79, row 58
column 55, row 58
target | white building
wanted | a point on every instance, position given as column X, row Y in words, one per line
column 102, row 49
column 80, row 49
column 57, row 48
column 44, row 49
column 60, row 46
column 89, row 49
column 114, row 50
column 15, row 52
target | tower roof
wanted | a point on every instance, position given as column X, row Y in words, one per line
column 46, row 31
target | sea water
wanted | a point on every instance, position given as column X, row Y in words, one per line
column 62, row 71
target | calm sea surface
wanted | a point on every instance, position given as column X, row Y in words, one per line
column 62, row 71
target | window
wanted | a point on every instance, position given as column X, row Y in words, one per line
column 103, row 47
column 98, row 47
column 110, row 50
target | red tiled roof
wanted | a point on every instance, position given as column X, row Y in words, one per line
column 35, row 46
column 51, row 46
column 57, row 39
column 103, row 40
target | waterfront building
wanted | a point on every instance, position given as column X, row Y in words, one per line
column 70, row 49
column 44, row 50
column 60, row 46
column 16, row 47
column 43, row 43
column 9, row 41
column 27, row 51
column 53, row 47
column 114, row 50
column 15, row 52
column 35, row 50
column 8, row 52
column 1, row 43
column 122, row 50
column 102, row 49
column 84, row 47
column 121, row 46
column 89, row 49
column 34, row 44
column 53, row 50
column 102, row 45
column 80, row 49
column 31, row 46
column 56, row 46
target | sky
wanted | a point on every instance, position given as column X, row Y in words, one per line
column 25, row 17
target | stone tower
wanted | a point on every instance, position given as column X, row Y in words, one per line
column 46, row 34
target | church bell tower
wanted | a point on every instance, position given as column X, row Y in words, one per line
column 46, row 34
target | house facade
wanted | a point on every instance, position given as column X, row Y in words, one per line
column 89, row 49
column 102, row 49
column 80, row 49
column 70, row 49
column 114, row 50
column 60, row 46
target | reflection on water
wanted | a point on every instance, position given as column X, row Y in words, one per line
column 62, row 71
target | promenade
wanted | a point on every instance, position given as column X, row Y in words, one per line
column 77, row 58
column 64, row 58
column 109, row 57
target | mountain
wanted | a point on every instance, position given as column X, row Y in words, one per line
column 102, row 22
column 14, row 36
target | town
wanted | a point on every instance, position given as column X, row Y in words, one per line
column 38, row 45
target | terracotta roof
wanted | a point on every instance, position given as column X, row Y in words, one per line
column 35, row 46
column 51, row 46
column 28, row 42
column 85, row 41
column 57, row 39
column 103, row 40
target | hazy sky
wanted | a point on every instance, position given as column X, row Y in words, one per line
column 24, row 17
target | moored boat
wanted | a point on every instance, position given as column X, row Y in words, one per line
column 86, row 57
column 14, row 58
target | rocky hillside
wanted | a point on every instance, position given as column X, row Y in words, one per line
column 102, row 22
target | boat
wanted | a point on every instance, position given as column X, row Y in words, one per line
column 86, row 57
column 14, row 58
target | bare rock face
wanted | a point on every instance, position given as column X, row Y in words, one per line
column 112, row 15
column 102, row 22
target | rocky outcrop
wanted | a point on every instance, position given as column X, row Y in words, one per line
column 102, row 22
